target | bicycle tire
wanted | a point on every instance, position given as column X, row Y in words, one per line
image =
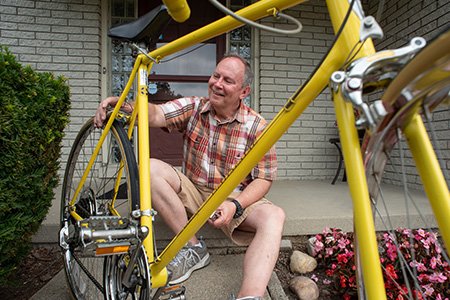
column 379, row 148
column 85, row 273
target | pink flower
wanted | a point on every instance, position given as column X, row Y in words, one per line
column 433, row 262
column 437, row 277
column 426, row 243
column 420, row 266
column 439, row 297
column 437, row 248
column 406, row 231
column 314, row 277
column 342, row 243
column 428, row 289
column 406, row 245
column 326, row 281
column 318, row 246
column 329, row 251
column 391, row 251
column 421, row 232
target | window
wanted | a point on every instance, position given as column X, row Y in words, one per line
column 122, row 11
column 240, row 40
column 183, row 74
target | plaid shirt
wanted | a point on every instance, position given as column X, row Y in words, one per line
column 212, row 148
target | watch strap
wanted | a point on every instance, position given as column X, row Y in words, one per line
column 239, row 209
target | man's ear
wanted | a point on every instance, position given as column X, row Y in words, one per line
column 245, row 92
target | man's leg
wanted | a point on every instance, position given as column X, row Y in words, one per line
column 267, row 222
column 165, row 186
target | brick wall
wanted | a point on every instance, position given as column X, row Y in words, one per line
column 286, row 62
column 401, row 21
column 60, row 36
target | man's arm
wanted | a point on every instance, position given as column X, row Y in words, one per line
column 256, row 190
column 156, row 116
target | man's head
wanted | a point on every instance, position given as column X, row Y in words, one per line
column 229, row 84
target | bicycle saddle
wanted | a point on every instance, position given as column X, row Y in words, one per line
column 147, row 28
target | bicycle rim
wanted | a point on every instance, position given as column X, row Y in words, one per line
column 411, row 251
column 85, row 272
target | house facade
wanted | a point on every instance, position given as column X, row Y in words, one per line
column 69, row 37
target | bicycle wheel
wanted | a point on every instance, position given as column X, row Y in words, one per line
column 114, row 269
column 85, row 271
column 414, row 261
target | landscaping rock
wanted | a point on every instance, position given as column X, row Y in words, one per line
column 302, row 263
column 304, row 288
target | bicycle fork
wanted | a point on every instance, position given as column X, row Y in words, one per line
column 347, row 87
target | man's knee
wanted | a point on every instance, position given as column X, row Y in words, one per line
column 278, row 215
column 162, row 172
column 156, row 166
column 271, row 216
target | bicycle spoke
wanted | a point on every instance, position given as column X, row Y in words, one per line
column 88, row 274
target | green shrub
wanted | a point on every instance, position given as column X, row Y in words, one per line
column 33, row 113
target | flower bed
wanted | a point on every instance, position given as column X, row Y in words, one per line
column 334, row 251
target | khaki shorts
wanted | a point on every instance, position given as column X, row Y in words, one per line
column 193, row 197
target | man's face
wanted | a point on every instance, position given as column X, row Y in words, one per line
column 225, row 88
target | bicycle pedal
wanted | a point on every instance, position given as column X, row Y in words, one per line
column 173, row 292
column 109, row 235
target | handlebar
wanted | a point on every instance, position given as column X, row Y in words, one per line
column 178, row 9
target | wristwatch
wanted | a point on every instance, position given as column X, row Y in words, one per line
column 239, row 209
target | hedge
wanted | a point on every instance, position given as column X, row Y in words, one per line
column 33, row 114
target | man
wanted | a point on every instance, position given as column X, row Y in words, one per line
column 217, row 132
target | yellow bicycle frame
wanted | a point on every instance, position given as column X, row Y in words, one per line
column 294, row 107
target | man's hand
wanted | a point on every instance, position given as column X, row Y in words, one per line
column 100, row 114
column 224, row 213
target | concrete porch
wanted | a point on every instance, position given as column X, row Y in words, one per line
column 310, row 206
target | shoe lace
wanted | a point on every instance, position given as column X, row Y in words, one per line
column 186, row 255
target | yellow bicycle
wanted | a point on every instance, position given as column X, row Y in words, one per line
column 106, row 231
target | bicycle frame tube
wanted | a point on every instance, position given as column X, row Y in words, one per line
column 159, row 279
column 362, row 211
column 430, row 172
column 288, row 114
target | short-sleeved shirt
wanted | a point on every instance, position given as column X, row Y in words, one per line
column 212, row 148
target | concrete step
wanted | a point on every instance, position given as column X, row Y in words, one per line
column 216, row 281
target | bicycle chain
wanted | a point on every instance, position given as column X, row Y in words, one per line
column 91, row 277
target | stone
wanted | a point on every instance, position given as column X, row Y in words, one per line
column 305, row 288
column 302, row 263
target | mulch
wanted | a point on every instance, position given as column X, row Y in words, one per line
column 38, row 268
